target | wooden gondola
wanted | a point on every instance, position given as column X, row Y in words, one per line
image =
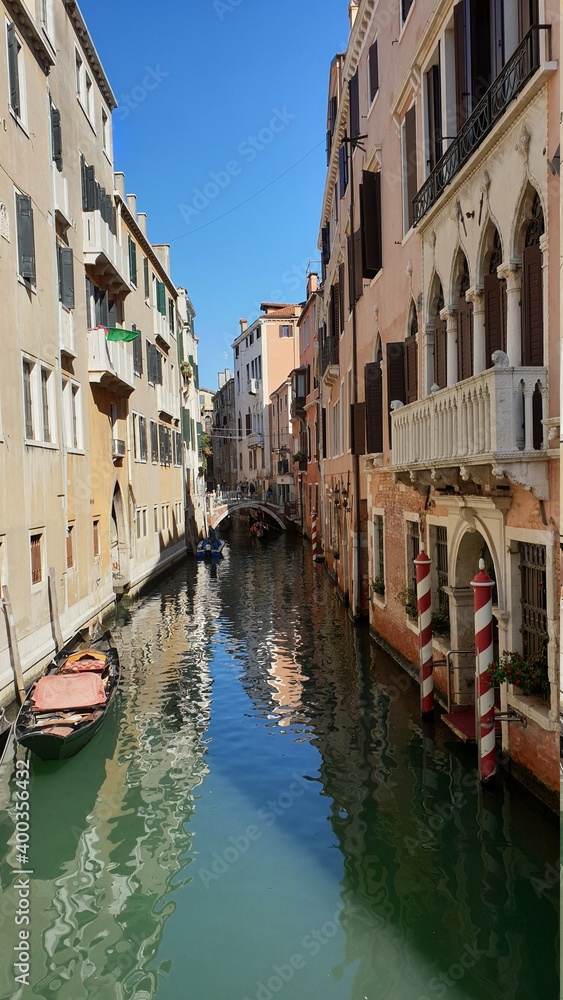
column 69, row 702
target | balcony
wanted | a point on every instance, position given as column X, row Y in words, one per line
column 298, row 408
column 161, row 328
column 330, row 360
column 253, row 386
column 103, row 253
column 110, row 363
column 486, row 430
column 512, row 79
column 255, row 440
column 66, row 330
column 283, row 467
column 168, row 402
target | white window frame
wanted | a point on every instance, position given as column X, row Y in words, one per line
column 36, row 387
column 368, row 76
column 21, row 116
column 72, row 415
column 84, row 86
column 105, row 119
column 47, row 21
column 42, row 583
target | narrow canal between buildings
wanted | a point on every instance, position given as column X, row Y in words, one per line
column 263, row 815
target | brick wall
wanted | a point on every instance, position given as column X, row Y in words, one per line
column 537, row 751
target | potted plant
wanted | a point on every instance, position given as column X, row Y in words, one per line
column 529, row 673
column 298, row 456
column 187, row 372
column 407, row 598
column 440, row 622
column 378, row 585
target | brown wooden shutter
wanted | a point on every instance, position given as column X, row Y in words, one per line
column 532, row 307
column 461, row 82
column 354, row 106
column 493, row 318
column 411, row 369
column 410, row 140
column 434, row 115
column 342, row 285
column 351, row 295
column 482, row 42
column 374, row 408
column 440, row 353
column 373, row 71
column 336, row 307
column 343, row 170
column 358, row 273
column 358, row 428
column 370, row 206
column 465, row 340
column 396, row 388
column 323, row 432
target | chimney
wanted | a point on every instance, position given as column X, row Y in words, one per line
column 312, row 283
column 162, row 251
column 142, row 222
column 119, row 182
column 243, row 325
column 352, row 11
column 132, row 205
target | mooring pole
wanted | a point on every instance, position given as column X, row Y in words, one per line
column 314, row 534
column 424, row 600
column 55, row 619
column 482, row 591
column 14, row 648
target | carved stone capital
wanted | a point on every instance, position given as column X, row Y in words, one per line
column 512, row 274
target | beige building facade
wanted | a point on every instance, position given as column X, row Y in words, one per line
column 100, row 495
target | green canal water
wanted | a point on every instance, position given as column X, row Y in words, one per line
column 263, row 815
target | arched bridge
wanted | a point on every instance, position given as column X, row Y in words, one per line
column 219, row 511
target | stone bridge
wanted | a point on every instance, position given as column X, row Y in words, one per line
column 219, row 511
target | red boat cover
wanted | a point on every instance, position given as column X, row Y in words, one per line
column 68, row 691
column 80, row 666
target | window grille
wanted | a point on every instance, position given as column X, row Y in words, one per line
column 442, row 568
column 413, row 549
column 36, row 562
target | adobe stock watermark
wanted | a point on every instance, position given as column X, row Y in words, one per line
column 239, row 845
column 439, row 985
column 129, row 102
column 223, row 7
column 247, row 150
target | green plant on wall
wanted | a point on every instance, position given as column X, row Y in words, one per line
column 378, row 584
column 407, row 598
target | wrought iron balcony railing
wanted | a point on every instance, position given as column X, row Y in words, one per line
column 329, row 353
column 511, row 80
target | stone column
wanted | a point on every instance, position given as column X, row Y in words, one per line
column 513, row 276
column 451, row 332
column 428, row 357
column 480, row 360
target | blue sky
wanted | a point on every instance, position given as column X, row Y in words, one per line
column 218, row 99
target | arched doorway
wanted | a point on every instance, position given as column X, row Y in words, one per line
column 119, row 547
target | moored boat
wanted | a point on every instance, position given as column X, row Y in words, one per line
column 210, row 548
column 69, row 702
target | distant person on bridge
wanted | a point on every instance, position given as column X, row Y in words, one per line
column 269, row 494
column 252, row 489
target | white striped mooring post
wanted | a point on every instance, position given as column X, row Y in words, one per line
column 314, row 533
column 484, row 692
column 424, row 601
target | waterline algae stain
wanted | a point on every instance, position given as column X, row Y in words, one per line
column 264, row 815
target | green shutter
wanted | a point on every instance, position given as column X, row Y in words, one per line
column 161, row 298
column 26, row 242
column 66, row 276
column 132, row 261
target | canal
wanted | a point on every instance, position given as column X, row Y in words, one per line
column 263, row 815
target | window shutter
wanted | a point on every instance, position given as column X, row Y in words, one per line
column 358, row 428
column 351, row 295
column 13, row 49
column 323, row 432
column 146, row 277
column 354, row 106
column 132, row 261
column 336, row 308
column 410, row 141
column 157, row 367
column 461, row 82
column 56, row 137
column 396, row 388
column 341, row 285
column 332, row 112
column 328, row 146
column 66, row 277
column 370, row 206
column 465, row 339
column 325, row 250
column 440, row 353
column 112, row 312
column 343, row 170
column 26, row 243
column 161, row 298
column 358, row 269
column 373, row 71
column 411, row 369
column 532, row 311
column 374, row 408
column 90, row 199
column 434, row 115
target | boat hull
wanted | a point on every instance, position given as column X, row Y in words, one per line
column 56, row 746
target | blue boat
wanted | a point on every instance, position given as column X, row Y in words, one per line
column 210, row 548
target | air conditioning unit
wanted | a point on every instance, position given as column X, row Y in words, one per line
column 253, row 386
column 118, row 448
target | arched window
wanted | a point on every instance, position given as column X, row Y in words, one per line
column 411, row 358
column 464, row 328
column 532, row 288
column 495, row 304
column 440, row 344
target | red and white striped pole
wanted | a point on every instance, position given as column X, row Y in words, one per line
column 424, row 600
column 314, row 533
column 482, row 593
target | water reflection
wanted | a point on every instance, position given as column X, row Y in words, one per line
column 249, row 702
